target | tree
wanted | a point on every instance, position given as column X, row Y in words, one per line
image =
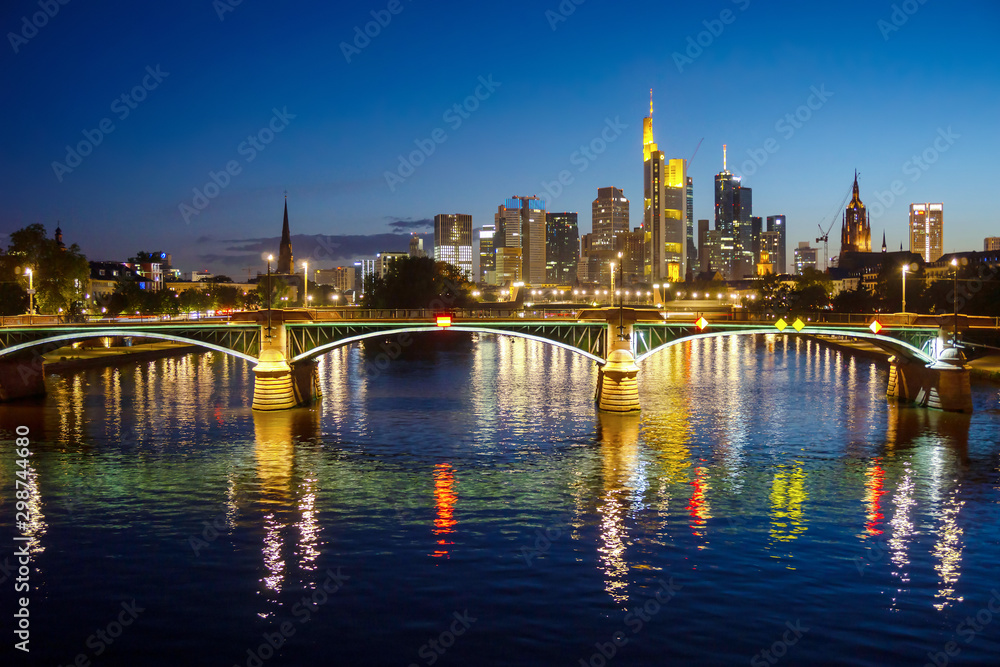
column 419, row 282
column 857, row 300
column 60, row 276
column 812, row 291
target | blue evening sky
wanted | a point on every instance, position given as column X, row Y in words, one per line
column 928, row 89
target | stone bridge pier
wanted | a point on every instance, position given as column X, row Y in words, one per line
column 617, row 387
column 944, row 384
column 277, row 384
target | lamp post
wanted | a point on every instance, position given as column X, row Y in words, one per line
column 954, row 301
column 305, row 275
column 31, row 294
column 612, row 265
column 906, row 267
column 269, row 258
column 621, row 311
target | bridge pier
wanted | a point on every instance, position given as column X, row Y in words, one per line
column 944, row 384
column 277, row 385
column 617, row 388
column 22, row 377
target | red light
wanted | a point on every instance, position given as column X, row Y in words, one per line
column 444, row 321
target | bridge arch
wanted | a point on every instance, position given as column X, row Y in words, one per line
column 889, row 344
column 323, row 349
column 102, row 333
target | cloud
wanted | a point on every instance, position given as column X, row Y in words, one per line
column 319, row 250
column 409, row 223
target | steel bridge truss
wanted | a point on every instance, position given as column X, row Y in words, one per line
column 243, row 339
column 310, row 339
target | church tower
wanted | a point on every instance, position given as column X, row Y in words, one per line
column 285, row 251
column 856, row 234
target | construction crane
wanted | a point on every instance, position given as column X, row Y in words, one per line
column 695, row 152
column 825, row 236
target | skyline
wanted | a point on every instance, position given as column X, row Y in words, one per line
column 329, row 123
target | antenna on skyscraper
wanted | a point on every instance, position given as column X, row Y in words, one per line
column 723, row 157
column 650, row 102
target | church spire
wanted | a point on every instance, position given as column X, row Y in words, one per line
column 883, row 241
column 285, row 251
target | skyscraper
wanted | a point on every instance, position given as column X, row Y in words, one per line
column 665, row 208
column 805, row 257
column 733, row 208
column 285, row 250
column 768, row 259
column 453, row 240
column 520, row 232
column 562, row 241
column 692, row 251
column 702, row 245
column 610, row 212
column 487, row 258
column 756, row 229
column 927, row 230
column 856, row 233
column 777, row 223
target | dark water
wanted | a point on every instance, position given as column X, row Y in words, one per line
column 470, row 507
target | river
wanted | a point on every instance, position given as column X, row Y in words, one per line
column 469, row 506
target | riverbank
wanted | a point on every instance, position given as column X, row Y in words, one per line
column 70, row 358
column 986, row 367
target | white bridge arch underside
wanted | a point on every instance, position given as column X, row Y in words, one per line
column 106, row 333
column 887, row 343
column 322, row 349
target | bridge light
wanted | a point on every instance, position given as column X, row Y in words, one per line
column 701, row 323
column 444, row 321
column 875, row 327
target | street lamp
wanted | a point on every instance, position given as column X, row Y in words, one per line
column 305, row 275
column 612, row 264
column 31, row 294
column 906, row 268
column 621, row 311
column 269, row 258
column 954, row 300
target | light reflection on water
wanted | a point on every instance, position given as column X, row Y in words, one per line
column 760, row 472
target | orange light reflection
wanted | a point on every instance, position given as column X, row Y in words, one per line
column 445, row 498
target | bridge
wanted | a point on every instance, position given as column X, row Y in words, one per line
column 283, row 345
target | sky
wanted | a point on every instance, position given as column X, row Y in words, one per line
column 179, row 127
